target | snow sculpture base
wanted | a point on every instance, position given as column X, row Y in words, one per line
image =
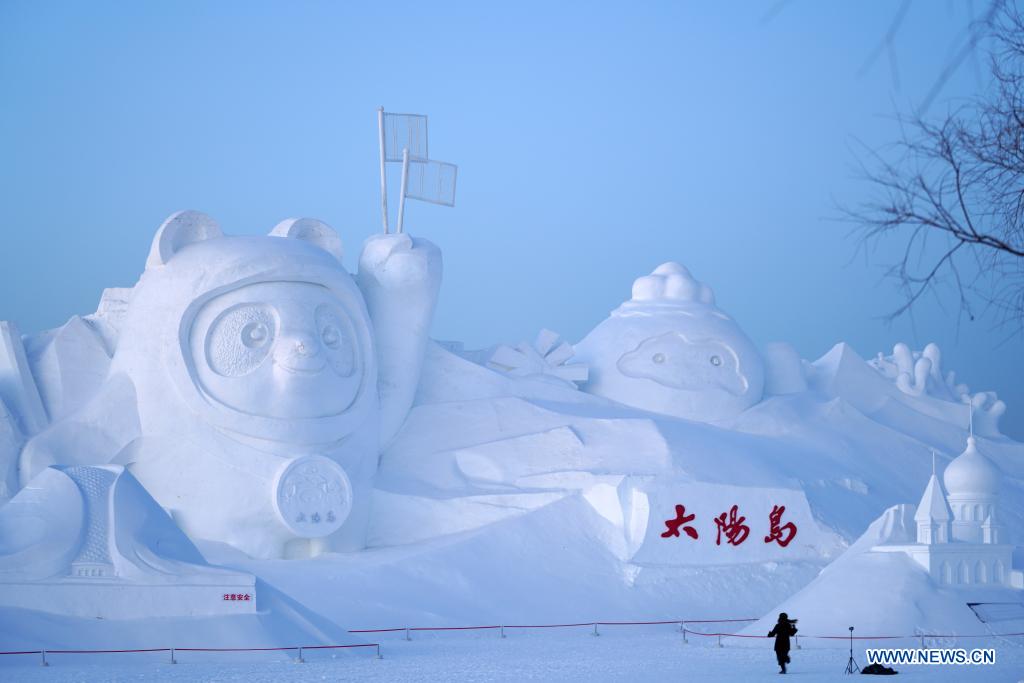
column 117, row 599
column 90, row 542
column 944, row 562
column 481, row 448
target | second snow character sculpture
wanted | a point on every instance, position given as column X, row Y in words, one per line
column 669, row 349
column 253, row 381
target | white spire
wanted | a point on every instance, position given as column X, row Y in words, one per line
column 933, row 506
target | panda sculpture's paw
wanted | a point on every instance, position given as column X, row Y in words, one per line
column 400, row 262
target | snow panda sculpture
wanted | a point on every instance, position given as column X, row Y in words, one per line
column 670, row 350
column 253, row 381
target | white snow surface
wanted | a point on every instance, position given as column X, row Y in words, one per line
column 644, row 654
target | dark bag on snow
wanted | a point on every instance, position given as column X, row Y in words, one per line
column 878, row 670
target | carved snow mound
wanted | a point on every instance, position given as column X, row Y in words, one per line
column 919, row 374
column 906, row 387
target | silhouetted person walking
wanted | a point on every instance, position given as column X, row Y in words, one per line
column 782, row 631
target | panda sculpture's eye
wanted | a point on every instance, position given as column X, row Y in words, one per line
column 658, row 358
column 255, row 334
column 336, row 334
column 716, row 360
column 240, row 339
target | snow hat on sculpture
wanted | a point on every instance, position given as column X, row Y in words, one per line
column 669, row 349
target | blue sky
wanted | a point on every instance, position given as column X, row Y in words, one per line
column 594, row 141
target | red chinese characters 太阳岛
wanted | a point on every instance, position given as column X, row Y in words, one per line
column 732, row 526
column 681, row 520
column 781, row 534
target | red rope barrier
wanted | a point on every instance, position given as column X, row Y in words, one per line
column 233, row 649
column 106, row 652
column 451, row 628
column 972, row 635
column 913, row 637
column 858, row 637
column 587, row 623
column 637, row 623
column 712, row 621
column 508, row 626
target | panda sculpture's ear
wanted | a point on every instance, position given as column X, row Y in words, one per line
column 178, row 231
column 311, row 230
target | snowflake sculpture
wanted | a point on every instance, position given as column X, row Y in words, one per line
column 545, row 359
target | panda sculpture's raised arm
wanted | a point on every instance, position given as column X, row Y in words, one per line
column 252, row 381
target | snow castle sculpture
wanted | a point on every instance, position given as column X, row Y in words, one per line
column 250, row 380
column 671, row 350
column 958, row 540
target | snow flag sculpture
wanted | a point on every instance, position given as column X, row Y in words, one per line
column 403, row 138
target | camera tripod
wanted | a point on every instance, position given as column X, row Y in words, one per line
column 851, row 665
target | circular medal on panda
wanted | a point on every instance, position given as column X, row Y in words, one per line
column 313, row 496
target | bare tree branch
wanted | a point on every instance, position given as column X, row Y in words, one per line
column 975, row 32
column 959, row 179
column 886, row 45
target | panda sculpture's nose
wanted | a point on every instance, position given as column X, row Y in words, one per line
column 304, row 345
column 300, row 353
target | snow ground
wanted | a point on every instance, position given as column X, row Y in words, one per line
column 648, row 653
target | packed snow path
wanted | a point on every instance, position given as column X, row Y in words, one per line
column 617, row 655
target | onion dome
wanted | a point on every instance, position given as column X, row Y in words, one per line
column 971, row 474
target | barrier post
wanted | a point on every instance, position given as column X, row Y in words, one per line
column 44, row 662
column 502, row 631
column 595, row 633
column 685, row 641
column 720, row 641
column 379, row 655
column 173, row 660
column 922, row 641
column 681, row 628
column 798, row 642
column 300, row 660
column 407, row 637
